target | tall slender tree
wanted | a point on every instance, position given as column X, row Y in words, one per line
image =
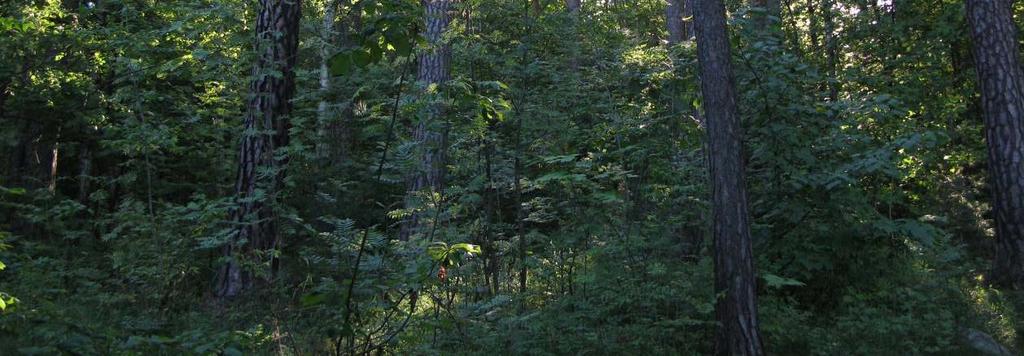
column 265, row 129
column 327, row 36
column 736, row 309
column 1001, row 80
column 429, row 134
column 831, row 49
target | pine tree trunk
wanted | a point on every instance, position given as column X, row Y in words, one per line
column 1001, row 80
column 265, row 129
column 434, row 67
column 736, row 309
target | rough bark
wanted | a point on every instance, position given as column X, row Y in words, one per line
column 265, row 130
column 434, row 68
column 1001, row 81
column 736, row 308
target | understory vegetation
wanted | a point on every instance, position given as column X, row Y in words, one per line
column 574, row 210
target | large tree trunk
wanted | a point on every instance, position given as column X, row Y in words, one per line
column 434, row 67
column 1001, row 80
column 736, row 308
column 265, row 129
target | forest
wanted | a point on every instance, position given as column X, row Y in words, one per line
column 511, row 177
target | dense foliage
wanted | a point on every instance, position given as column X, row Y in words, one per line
column 574, row 153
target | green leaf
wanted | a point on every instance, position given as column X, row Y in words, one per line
column 467, row 248
column 774, row 281
column 341, row 63
column 437, row 250
column 403, row 47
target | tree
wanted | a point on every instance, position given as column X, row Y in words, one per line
column 327, row 31
column 1001, row 81
column 736, row 309
column 434, row 70
column 679, row 20
column 265, row 129
column 674, row 21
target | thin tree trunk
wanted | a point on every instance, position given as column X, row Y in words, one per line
column 813, row 26
column 54, row 158
column 832, row 48
column 736, row 309
column 1001, row 80
column 265, row 130
column 326, row 51
column 491, row 202
column 520, row 215
column 517, row 161
column 434, row 68
column 688, row 30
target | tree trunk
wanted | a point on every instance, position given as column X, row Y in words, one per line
column 688, row 30
column 812, row 26
column 736, row 308
column 326, row 51
column 54, row 159
column 679, row 20
column 434, row 67
column 832, row 49
column 674, row 21
column 265, row 129
column 1001, row 80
